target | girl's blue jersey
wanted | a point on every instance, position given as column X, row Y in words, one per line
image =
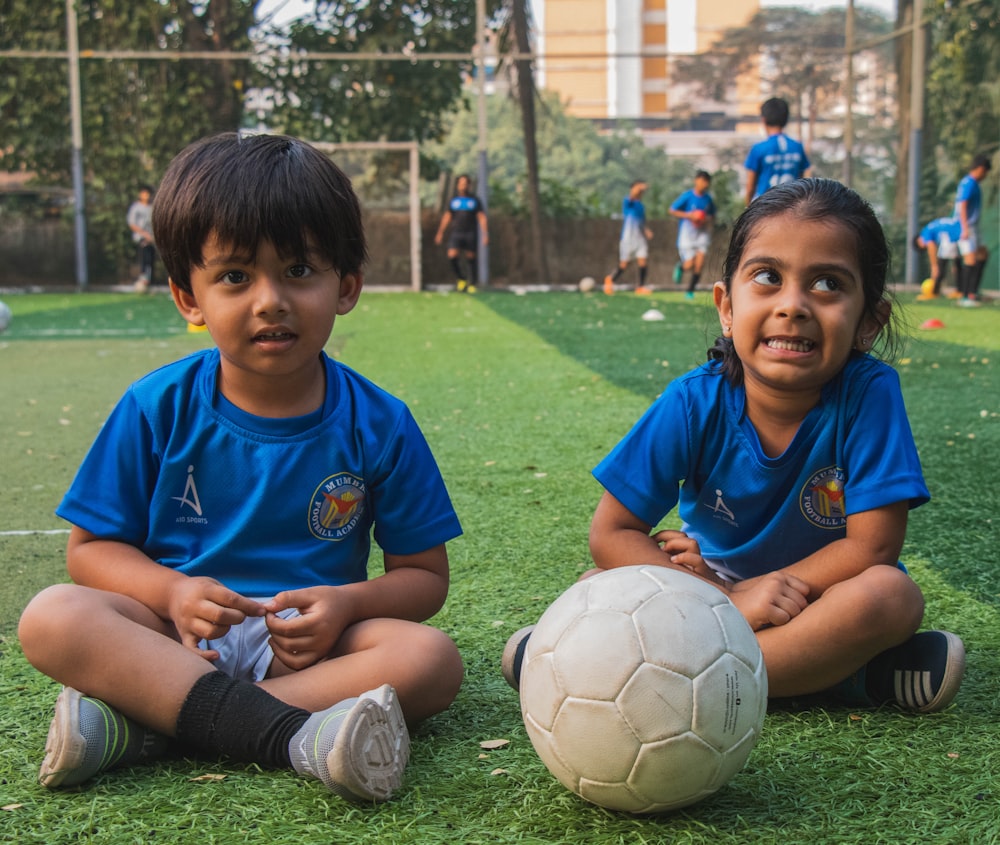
column 751, row 513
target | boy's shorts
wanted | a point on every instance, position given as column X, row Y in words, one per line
column 947, row 248
column 969, row 245
column 244, row 652
column 634, row 247
column 688, row 246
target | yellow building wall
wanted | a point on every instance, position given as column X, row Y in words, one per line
column 578, row 30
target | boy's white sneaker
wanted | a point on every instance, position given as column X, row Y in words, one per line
column 358, row 748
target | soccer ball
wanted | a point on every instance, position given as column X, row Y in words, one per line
column 643, row 689
column 5, row 316
column 587, row 284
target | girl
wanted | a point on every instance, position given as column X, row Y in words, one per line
column 792, row 462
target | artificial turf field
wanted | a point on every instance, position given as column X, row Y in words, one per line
column 519, row 397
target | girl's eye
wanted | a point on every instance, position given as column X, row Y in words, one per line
column 827, row 284
column 766, row 277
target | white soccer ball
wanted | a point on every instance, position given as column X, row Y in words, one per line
column 643, row 689
column 5, row 316
column 587, row 284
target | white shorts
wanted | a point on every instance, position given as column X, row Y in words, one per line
column 634, row 247
column 688, row 246
column 969, row 245
column 947, row 248
column 244, row 652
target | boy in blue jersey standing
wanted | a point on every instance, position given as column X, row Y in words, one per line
column 633, row 242
column 968, row 206
column 778, row 158
column 695, row 209
column 221, row 521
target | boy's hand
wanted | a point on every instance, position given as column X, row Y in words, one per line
column 203, row 609
column 772, row 599
column 301, row 641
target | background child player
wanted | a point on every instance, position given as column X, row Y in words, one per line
column 220, row 522
column 695, row 209
column 968, row 208
column 792, row 463
column 464, row 214
column 633, row 242
column 778, row 158
column 940, row 238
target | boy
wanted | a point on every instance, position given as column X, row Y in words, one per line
column 940, row 238
column 464, row 214
column 633, row 242
column 777, row 158
column 220, row 523
column 968, row 206
column 695, row 208
column 140, row 222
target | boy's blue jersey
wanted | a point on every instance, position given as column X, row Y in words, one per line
column 750, row 513
column 260, row 504
column 971, row 194
column 691, row 201
column 776, row 160
column 634, row 219
column 951, row 227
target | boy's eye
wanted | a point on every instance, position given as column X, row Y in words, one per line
column 300, row 271
column 234, row 277
column 766, row 277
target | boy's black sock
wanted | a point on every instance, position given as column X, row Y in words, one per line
column 642, row 276
column 456, row 267
column 963, row 278
column 238, row 719
column 617, row 273
column 473, row 269
column 694, row 282
column 975, row 278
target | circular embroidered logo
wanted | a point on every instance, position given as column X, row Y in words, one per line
column 337, row 506
column 822, row 499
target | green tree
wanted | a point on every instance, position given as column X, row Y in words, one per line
column 371, row 99
column 136, row 113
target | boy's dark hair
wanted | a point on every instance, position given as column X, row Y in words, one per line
column 775, row 112
column 815, row 199
column 142, row 188
column 981, row 160
column 703, row 174
column 248, row 189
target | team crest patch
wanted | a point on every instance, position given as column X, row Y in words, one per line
column 822, row 499
column 337, row 506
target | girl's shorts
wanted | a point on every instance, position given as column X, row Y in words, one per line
column 245, row 651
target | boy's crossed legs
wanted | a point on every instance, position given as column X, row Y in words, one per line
column 120, row 653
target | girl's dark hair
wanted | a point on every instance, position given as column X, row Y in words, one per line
column 248, row 189
column 817, row 199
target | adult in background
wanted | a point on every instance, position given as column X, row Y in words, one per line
column 777, row 159
column 140, row 222
column 464, row 214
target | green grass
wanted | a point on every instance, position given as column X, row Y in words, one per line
column 519, row 397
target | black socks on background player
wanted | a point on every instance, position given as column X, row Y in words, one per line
column 237, row 719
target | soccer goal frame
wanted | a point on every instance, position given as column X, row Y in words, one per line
column 411, row 147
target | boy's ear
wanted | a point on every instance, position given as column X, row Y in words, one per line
column 724, row 305
column 186, row 304
column 350, row 290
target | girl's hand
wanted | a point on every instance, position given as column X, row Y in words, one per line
column 772, row 599
column 204, row 609
column 324, row 613
column 684, row 551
